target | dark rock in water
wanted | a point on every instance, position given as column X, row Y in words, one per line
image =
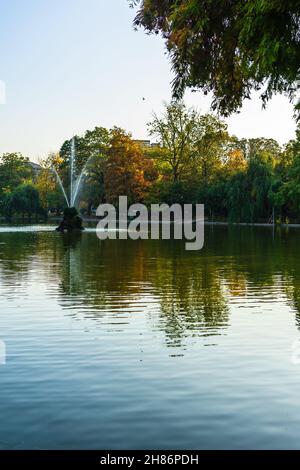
column 71, row 221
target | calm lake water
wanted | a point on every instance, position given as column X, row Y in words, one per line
column 141, row 344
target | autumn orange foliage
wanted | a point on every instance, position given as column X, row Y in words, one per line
column 128, row 171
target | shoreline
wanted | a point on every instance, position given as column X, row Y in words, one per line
column 206, row 222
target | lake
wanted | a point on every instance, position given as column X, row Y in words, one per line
column 140, row 344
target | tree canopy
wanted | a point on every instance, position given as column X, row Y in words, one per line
column 175, row 131
column 14, row 169
column 228, row 47
column 128, row 171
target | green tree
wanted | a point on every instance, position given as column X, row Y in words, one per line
column 260, row 177
column 14, row 169
column 175, row 131
column 228, row 47
column 247, row 193
column 268, row 150
column 210, row 146
column 25, row 200
column 290, row 190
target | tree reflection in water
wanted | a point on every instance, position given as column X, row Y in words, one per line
column 184, row 293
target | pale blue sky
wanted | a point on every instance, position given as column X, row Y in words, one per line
column 70, row 65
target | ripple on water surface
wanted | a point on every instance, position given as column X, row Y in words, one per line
column 123, row 344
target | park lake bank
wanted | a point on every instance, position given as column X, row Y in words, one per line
column 91, row 221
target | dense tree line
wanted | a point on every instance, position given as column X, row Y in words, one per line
column 18, row 195
column 194, row 160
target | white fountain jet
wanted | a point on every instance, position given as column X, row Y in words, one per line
column 61, row 186
column 75, row 183
column 72, row 168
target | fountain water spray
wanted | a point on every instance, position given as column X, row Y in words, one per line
column 72, row 163
column 61, row 186
column 75, row 183
column 71, row 221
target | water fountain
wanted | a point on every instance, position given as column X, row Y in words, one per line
column 71, row 221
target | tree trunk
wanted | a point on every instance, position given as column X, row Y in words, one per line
column 89, row 211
